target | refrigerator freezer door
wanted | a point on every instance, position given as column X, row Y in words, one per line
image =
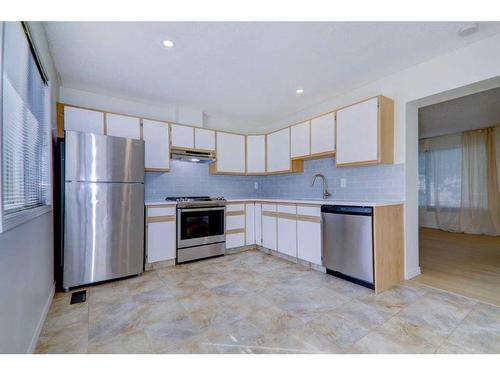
column 103, row 231
column 94, row 157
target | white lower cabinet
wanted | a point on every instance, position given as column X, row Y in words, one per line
column 235, row 240
column 269, row 226
column 287, row 230
column 293, row 230
column 250, row 224
column 258, row 224
column 161, row 234
column 309, row 234
column 235, row 225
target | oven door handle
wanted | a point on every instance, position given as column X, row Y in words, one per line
column 202, row 209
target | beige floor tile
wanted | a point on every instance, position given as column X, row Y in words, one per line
column 72, row 338
column 337, row 329
column 251, row 302
column 439, row 312
column 368, row 315
column 480, row 330
column 131, row 342
column 398, row 336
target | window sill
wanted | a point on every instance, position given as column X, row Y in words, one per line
column 22, row 217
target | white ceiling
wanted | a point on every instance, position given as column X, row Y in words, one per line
column 469, row 112
column 243, row 71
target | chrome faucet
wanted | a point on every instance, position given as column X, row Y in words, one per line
column 326, row 193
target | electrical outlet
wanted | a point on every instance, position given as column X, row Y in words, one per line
column 343, row 182
column 256, row 185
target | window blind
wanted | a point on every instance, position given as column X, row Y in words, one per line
column 25, row 133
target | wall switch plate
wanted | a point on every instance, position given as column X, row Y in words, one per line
column 343, row 182
column 256, row 185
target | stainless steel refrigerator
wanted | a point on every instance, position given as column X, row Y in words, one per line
column 103, row 208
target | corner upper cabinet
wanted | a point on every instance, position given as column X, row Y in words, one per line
column 204, row 139
column 157, row 145
column 230, row 154
column 278, row 151
column 83, row 120
column 123, row 126
column 182, row 136
column 300, row 141
column 365, row 133
column 256, row 154
column 323, row 135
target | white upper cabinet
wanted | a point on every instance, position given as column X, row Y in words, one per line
column 365, row 133
column 83, row 120
column 300, row 140
column 204, row 139
column 182, row 136
column 156, row 143
column 230, row 153
column 278, row 151
column 123, row 126
column 323, row 134
column 256, row 154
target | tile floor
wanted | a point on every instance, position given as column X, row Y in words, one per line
column 252, row 302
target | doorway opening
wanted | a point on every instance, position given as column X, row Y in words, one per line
column 459, row 195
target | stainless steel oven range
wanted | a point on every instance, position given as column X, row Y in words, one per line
column 201, row 227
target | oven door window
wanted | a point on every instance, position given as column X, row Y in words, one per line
column 197, row 224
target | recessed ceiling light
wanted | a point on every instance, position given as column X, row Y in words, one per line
column 468, row 29
column 299, row 91
column 168, row 43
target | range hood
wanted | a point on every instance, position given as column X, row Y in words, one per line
column 192, row 156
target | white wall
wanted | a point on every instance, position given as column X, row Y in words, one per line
column 419, row 85
column 26, row 256
column 157, row 111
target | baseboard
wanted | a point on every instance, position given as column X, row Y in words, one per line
column 235, row 250
column 291, row 259
column 413, row 273
column 41, row 321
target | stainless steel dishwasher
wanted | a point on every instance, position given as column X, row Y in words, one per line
column 348, row 243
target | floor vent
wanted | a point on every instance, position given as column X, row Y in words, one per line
column 78, row 297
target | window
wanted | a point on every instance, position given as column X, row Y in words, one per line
column 25, row 130
column 440, row 177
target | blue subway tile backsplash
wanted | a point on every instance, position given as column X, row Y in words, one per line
column 373, row 183
column 190, row 179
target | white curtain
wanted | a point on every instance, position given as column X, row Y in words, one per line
column 459, row 182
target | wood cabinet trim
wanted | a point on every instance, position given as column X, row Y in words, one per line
column 284, row 215
column 235, row 213
column 317, row 155
column 235, row 231
column 309, row 218
column 212, row 152
column 161, row 205
column 388, row 245
column 157, row 170
column 60, row 119
column 159, row 219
